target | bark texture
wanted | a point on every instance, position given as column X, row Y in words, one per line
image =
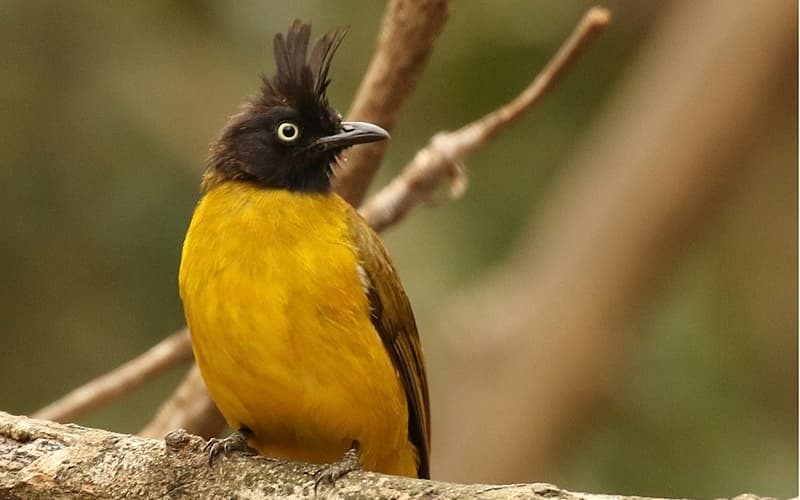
column 42, row 459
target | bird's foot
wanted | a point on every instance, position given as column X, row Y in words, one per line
column 235, row 442
column 332, row 472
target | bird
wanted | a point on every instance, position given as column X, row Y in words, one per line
column 300, row 326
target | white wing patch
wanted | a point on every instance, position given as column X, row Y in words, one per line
column 364, row 278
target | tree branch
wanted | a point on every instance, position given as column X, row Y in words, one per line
column 408, row 33
column 442, row 157
column 40, row 459
column 172, row 350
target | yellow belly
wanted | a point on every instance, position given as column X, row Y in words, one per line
column 281, row 329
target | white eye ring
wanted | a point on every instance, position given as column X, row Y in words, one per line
column 288, row 132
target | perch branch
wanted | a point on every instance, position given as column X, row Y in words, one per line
column 442, row 157
column 172, row 350
column 40, row 459
column 407, row 36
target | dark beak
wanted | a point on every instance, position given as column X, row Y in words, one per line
column 351, row 133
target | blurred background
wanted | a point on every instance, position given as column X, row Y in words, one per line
column 107, row 112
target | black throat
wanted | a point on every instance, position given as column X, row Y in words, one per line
column 294, row 178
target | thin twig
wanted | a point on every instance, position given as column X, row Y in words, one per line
column 442, row 157
column 408, row 33
column 159, row 358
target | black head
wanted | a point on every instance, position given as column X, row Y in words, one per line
column 288, row 137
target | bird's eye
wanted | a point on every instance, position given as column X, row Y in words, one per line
column 288, row 132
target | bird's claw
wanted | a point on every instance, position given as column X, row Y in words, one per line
column 332, row 472
column 237, row 441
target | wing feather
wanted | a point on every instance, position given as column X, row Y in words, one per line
column 394, row 320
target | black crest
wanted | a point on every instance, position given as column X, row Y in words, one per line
column 300, row 81
column 249, row 147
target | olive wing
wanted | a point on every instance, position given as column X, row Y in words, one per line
column 393, row 319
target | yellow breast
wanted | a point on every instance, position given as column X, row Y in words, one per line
column 281, row 328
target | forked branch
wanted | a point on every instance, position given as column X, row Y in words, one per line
column 441, row 158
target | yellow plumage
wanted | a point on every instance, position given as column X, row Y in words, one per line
column 281, row 325
column 300, row 326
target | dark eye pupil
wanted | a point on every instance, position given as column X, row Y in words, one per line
column 289, row 131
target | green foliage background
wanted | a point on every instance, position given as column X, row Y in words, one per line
column 107, row 110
